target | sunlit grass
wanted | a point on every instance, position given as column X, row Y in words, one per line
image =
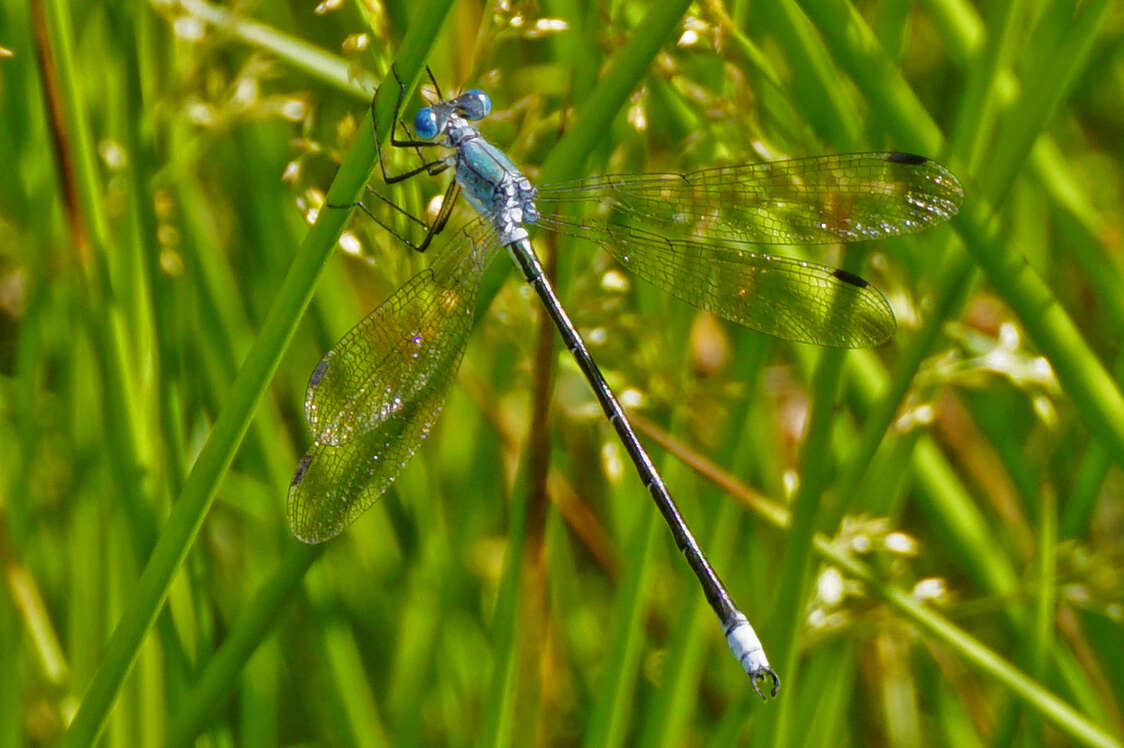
column 926, row 535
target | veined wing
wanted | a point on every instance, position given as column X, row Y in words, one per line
column 333, row 485
column 398, row 349
column 376, row 394
column 824, row 199
column 780, row 296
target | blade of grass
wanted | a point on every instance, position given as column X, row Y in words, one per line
column 210, row 686
column 1071, row 722
column 608, row 722
column 220, row 675
column 786, row 618
column 304, row 56
column 914, row 127
column 624, row 73
column 1081, row 374
column 814, row 81
column 499, row 707
column 1045, row 610
column 565, row 161
column 954, row 281
column 117, row 336
column 199, row 490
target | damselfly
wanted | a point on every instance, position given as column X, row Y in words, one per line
column 377, row 393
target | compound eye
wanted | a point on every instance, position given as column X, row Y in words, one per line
column 474, row 104
column 425, row 123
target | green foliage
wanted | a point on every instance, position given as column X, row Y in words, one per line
column 931, row 549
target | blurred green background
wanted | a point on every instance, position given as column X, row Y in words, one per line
column 927, row 535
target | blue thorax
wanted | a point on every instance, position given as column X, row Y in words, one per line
column 491, row 183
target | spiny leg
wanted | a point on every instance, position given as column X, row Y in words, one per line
column 431, row 230
column 432, row 168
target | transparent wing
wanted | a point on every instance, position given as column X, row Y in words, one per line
column 396, row 351
column 845, row 197
column 781, row 296
column 333, row 485
column 376, row 394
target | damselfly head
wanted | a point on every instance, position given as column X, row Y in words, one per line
column 432, row 120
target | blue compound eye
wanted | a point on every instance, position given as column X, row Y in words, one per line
column 474, row 104
column 425, row 123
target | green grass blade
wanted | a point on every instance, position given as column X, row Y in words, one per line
column 1064, row 717
column 220, row 675
column 199, row 490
